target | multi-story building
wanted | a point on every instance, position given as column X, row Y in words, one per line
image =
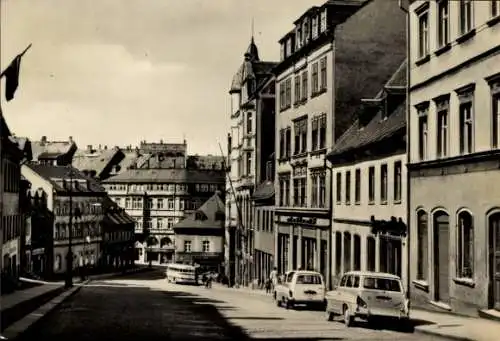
column 454, row 139
column 263, row 243
column 162, row 155
column 199, row 238
column 250, row 144
column 57, row 153
column 369, row 166
column 157, row 199
column 76, row 202
column 11, row 210
column 329, row 61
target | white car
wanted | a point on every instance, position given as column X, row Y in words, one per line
column 300, row 287
column 368, row 295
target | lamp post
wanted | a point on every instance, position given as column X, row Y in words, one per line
column 330, row 213
column 69, row 255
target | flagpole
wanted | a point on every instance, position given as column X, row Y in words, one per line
column 19, row 55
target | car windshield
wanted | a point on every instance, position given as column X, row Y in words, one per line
column 386, row 284
column 308, row 279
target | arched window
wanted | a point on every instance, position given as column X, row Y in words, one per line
column 57, row 231
column 347, row 251
column 57, row 263
column 465, row 243
column 422, row 246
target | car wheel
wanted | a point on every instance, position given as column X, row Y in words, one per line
column 348, row 319
column 289, row 304
column 329, row 315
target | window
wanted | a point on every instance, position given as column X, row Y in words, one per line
column 318, row 189
column 282, row 144
column 315, row 80
column 323, row 74
column 284, row 191
column 397, row 181
column 422, row 245
column 385, row 284
column 383, row 183
column 347, row 251
column 348, row 187
column 159, row 203
column 249, row 122
column 371, row 185
column 423, row 34
column 495, row 8
column 305, row 30
column 357, row 186
column 339, row 188
column 314, row 190
column 466, row 19
column 314, row 27
column 288, row 92
column 466, row 126
column 288, row 142
column 443, row 23
column 297, row 89
column 205, row 246
column 282, row 52
column 282, row 95
column 299, row 192
column 465, row 256
column 322, row 131
column 314, row 133
column 371, row 247
column 442, row 129
column 170, row 203
column 422, row 133
column 357, row 252
column 304, row 92
column 495, row 115
column 187, row 246
column 127, row 203
column 159, row 223
column 249, row 163
column 322, row 191
column 300, row 128
column 322, row 27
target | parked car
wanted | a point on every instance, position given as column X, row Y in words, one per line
column 300, row 287
column 368, row 295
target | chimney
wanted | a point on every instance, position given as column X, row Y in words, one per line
column 105, row 147
column 44, row 140
column 89, row 148
column 70, row 139
column 161, row 141
column 100, row 147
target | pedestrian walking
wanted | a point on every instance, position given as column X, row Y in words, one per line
column 274, row 278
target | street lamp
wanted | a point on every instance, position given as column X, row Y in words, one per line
column 330, row 214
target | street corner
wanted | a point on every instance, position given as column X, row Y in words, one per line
column 28, row 321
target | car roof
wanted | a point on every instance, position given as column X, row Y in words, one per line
column 373, row 274
column 304, row 272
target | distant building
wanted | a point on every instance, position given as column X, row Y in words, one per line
column 157, row 199
column 56, row 185
column 57, row 153
column 12, row 199
column 162, row 155
column 369, row 165
column 199, row 238
column 250, row 144
column 213, row 162
column 98, row 163
column 454, row 148
column 329, row 61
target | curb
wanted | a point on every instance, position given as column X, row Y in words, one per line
column 443, row 335
column 22, row 325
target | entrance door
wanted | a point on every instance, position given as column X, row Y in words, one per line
column 441, row 257
column 495, row 261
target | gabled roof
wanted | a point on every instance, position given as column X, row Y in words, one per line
column 128, row 161
column 209, row 215
column 169, row 175
column 378, row 128
column 51, row 149
column 97, row 161
column 54, row 174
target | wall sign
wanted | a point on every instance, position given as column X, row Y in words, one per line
column 301, row 220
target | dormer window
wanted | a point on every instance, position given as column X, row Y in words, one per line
column 305, row 31
column 298, row 38
column 322, row 25
column 199, row 216
column 282, row 52
column 314, row 27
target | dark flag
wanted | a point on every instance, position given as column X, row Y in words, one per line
column 12, row 78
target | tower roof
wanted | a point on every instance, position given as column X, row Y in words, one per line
column 252, row 53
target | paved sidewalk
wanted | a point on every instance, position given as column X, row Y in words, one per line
column 10, row 300
column 440, row 324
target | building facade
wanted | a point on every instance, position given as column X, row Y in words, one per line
column 263, row 225
column 199, row 238
column 157, row 199
column 76, row 202
column 369, row 166
column 453, row 154
column 250, row 144
column 326, row 61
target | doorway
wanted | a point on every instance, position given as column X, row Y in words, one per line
column 494, row 261
column 441, row 259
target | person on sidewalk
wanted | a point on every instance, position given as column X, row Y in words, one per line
column 268, row 286
column 274, row 277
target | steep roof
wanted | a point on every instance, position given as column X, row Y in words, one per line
column 264, row 190
column 209, row 215
column 116, row 214
column 378, row 128
column 95, row 161
column 54, row 174
column 51, row 149
column 169, row 175
column 128, row 161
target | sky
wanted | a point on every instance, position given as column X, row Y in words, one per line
column 116, row 72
